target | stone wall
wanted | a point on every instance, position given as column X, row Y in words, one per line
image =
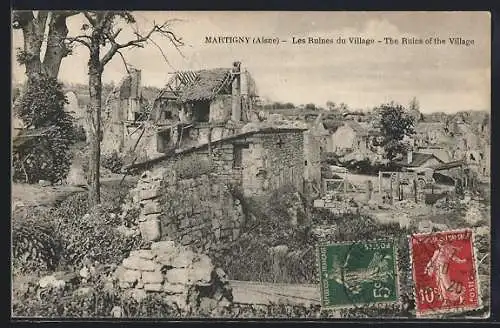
column 199, row 212
column 220, row 108
column 282, row 159
column 312, row 158
column 185, row 279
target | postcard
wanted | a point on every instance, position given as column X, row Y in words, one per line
column 259, row 164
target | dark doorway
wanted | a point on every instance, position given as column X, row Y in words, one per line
column 201, row 111
column 163, row 141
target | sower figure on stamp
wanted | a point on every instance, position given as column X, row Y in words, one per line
column 438, row 266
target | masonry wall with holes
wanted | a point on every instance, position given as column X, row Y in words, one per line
column 269, row 161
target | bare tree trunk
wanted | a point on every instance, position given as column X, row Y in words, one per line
column 33, row 30
column 95, row 86
column 56, row 50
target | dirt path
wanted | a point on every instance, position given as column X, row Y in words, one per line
column 35, row 195
column 26, row 195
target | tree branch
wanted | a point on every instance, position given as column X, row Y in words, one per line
column 91, row 20
column 78, row 39
column 124, row 61
column 140, row 39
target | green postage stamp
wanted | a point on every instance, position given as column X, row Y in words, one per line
column 358, row 273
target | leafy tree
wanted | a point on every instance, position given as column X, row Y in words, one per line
column 395, row 124
column 47, row 155
column 310, row 106
column 414, row 108
column 331, row 106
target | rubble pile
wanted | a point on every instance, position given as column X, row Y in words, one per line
column 473, row 215
column 336, row 206
column 186, row 279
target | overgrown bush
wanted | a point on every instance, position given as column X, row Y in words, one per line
column 269, row 224
column 79, row 133
column 112, row 162
column 93, row 235
column 34, row 302
column 67, row 233
column 34, row 247
column 45, row 155
column 192, row 167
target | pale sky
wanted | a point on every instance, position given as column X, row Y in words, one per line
column 447, row 77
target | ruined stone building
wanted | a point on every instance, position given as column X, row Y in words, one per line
column 419, row 160
column 209, row 115
column 352, row 137
column 440, row 152
column 195, row 107
column 258, row 161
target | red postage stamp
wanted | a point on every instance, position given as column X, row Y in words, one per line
column 444, row 272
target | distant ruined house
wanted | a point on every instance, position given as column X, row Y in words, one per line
column 440, row 152
column 418, row 160
column 352, row 137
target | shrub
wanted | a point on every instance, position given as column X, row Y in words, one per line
column 112, row 162
column 79, row 133
column 268, row 224
column 48, row 156
column 34, row 247
column 68, row 234
column 192, row 167
column 92, row 236
column 53, row 303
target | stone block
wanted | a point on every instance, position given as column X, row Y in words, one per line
column 201, row 270
column 183, row 258
column 124, row 285
column 136, row 263
column 154, row 277
column 167, row 246
column 149, row 194
column 170, row 288
column 151, row 207
column 153, row 287
column 319, row 203
column 130, row 276
column 143, row 254
column 178, row 276
column 221, row 275
column 150, row 230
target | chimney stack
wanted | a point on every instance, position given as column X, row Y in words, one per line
column 409, row 156
column 236, row 93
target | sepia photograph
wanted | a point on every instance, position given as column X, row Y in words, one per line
column 250, row 165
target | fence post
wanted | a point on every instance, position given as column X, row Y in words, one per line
column 380, row 183
column 390, row 198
